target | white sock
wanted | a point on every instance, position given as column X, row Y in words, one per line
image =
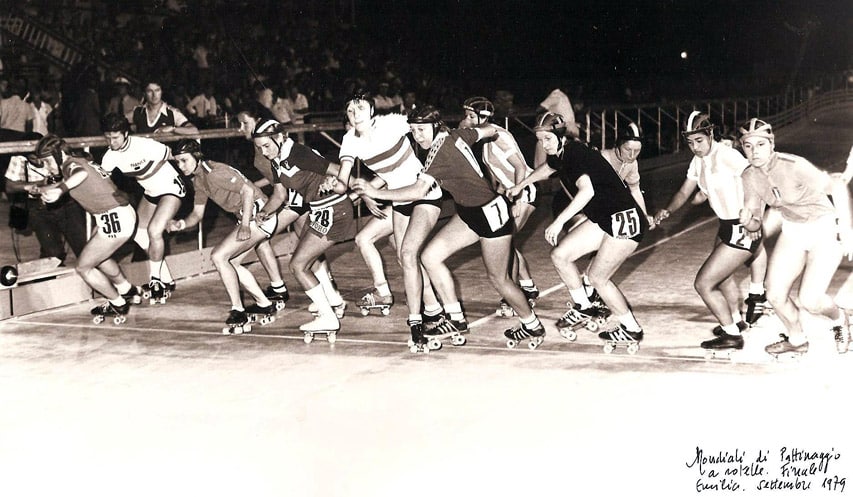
column 383, row 290
column 454, row 310
column 731, row 329
column 580, row 297
column 756, row 288
column 318, row 296
column 630, row 322
column 334, row 298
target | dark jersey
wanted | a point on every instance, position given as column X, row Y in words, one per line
column 97, row 193
column 301, row 169
column 452, row 164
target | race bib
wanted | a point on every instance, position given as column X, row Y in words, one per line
column 497, row 213
column 322, row 219
column 739, row 237
column 110, row 224
column 294, row 198
column 625, row 224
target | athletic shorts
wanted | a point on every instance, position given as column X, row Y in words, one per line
column 821, row 232
column 331, row 219
column 490, row 220
column 176, row 189
column 408, row 209
column 296, row 202
column 116, row 223
column 733, row 234
column 630, row 224
column 268, row 227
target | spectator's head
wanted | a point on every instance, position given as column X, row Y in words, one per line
column 116, row 129
column 153, row 92
column 122, row 85
column 250, row 115
column 383, row 88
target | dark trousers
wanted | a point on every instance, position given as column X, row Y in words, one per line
column 55, row 224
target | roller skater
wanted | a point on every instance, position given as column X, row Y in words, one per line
column 532, row 295
column 417, row 341
column 156, row 292
column 785, row 349
column 576, row 318
column 724, row 344
column 372, row 301
column 134, row 295
column 322, row 324
column 107, row 309
column 262, row 315
column 519, row 333
column 446, row 328
column 621, row 336
column 237, row 323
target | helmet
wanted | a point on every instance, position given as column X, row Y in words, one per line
column 426, row 115
column 480, row 106
column 268, row 127
column 361, row 95
column 552, row 123
column 631, row 132
column 698, row 122
column 115, row 122
column 188, row 146
column 51, row 146
column 756, row 127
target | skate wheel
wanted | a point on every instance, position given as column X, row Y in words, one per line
column 532, row 344
column 458, row 340
column 308, row 338
column 511, row 344
column 332, row 338
column 146, row 294
column 601, row 321
column 119, row 319
column 365, row 311
column 98, row 319
column 410, row 343
column 279, row 305
column 569, row 335
column 267, row 320
column 413, row 348
column 434, row 344
column 591, row 325
column 385, row 311
column 633, row 348
column 608, row 348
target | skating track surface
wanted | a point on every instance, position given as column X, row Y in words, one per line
column 166, row 405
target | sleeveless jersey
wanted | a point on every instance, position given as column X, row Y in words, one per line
column 168, row 116
column 222, row 184
column 718, row 175
column 452, row 165
column 97, row 193
column 146, row 160
column 495, row 155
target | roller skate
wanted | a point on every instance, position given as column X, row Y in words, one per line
column 340, row 309
column 417, row 342
column 841, row 332
column 505, row 310
column 595, row 300
column 444, row 328
column 155, row 292
column 621, row 336
column 756, row 306
column 328, row 325
column 718, row 330
column 515, row 336
column 118, row 312
column 262, row 315
column 134, row 295
column 237, row 323
column 577, row 318
column 375, row 301
column 786, row 349
column 531, row 293
column 279, row 299
column 723, row 345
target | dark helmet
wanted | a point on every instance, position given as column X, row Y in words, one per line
column 50, row 146
column 481, row 106
column 115, row 122
column 697, row 122
column 426, row 115
column 188, row 146
column 631, row 132
column 552, row 123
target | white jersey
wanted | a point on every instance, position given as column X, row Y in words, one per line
column 146, row 160
column 496, row 155
column 387, row 152
column 718, row 175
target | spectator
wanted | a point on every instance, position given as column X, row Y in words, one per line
column 39, row 111
column 122, row 102
column 203, row 106
column 156, row 116
column 384, row 102
column 14, row 111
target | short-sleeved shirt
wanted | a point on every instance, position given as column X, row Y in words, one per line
column 222, row 184
column 628, row 171
column 97, row 193
column 791, row 184
column 302, row 169
column 24, row 171
column 495, row 155
column 452, row 165
column 611, row 194
column 167, row 116
column 387, row 152
column 146, row 160
column 718, row 176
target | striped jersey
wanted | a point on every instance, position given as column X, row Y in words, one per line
column 145, row 160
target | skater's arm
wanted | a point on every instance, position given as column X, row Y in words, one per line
column 191, row 220
column 537, row 175
column 410, row 193
column 581, row 198
column 678, row 200
column 278, row 197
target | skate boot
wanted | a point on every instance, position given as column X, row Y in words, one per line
column 599, row 304
column 531, row 293
column 841, row 332
column 723, row 345
column 621, row 336
column 417, row 342
column 375, row 301
column 279, row 299
column 155, row 292
column 118, row 312
column 718, row 330
column 444, row 328
column 505, row 310
column 134, row 295
column 237, row 323
column 785, row 348
column 322, row 324
column 340, row 309
column 756, row 306
column 262, row 315
column 577, row 318
column 516, row 335
column 170, row 288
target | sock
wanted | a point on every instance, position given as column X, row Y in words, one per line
column 319, row 297
column 154, row 269
column 736, row 317
column 454, row 310
column 415, row 318
column 841, row 317
column 756, row 288
column 731, row 329
column 630, row 322
column 334, row 298
column 237, row 308
column 278, row 286
column 530, row 323
column 123, row 287
column 580, row 297
column 798, row 339
column 118, row 302
column 432, row 310
column 165, row 274
column 383, row 290
column 526, row 283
